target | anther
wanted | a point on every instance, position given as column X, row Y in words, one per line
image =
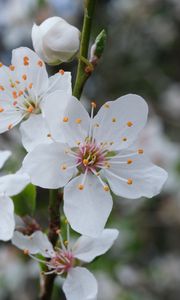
column 129, row 181
column 11, row 67
column 96, row 125
column 30, row 109
column 129, row 124
column 40, row 63
column 66, row 243
column 31, row 85
column 80, row 187
column 13, row 85
column 15, row 103
column 64, row 167
column 85, row 162
column 14, row 93
column 93, row 104
column 1, row 109
column 129, row 161
column 113, row 120
column 10, row 126
column 78, row 121
column 1, row 64
column 140, row 151
column 49, row 135
column 65, row 119
column 61, row 71
column 26, row 251
column 17, row 81
column 20, row 93
column 124, row 139
column 24, row 77
column 106, row 105
column 106, row 188
column 1, row 88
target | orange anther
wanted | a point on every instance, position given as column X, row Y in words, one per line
column 30, row 109
column 80, row 187
column 140, row 151
column 14, row 93
column 129, row 161
column 17, row 81
column 1, row 109
column 129, row 124
column 26, row 60
column 40, row 63
column 106, row 188
column 85, row 162
column 113, row 120
column 61, row 71
column 93, row 104
column 1, row 64
column 11, row 67
column 1, row 88
column 10, row 126
column 78, row 121
column 26, row 251
column 129, row 181
column 20, row 93
column 24, row 77
column 31, row 85
column 65, row 119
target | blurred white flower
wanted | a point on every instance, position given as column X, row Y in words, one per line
column 170, row 100
column 107, row 287
column 55, row 40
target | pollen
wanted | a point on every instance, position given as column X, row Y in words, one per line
column 129, row 124
column 124, row 139
column 85, row 162
column 40, row 63
column 78, row 121
column 106, row 105
column 93, row 104
column 20, row 93
column 113, row 120
column 31, row 85
column 1, row 64
column 140, row 151
column 80, row 187
column 106, row 188
column 1, row 88
column 129, row 161
column 26, row 251
column 129, row 181
column 24, row 77
column 65, row 119
column 1, row 109
column 64, row 167
column 11, row 67
column 61, row 71
column 14, row 93
column 10, row 126
column 30, row 109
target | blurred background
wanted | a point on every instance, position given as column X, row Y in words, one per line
column 142, row 56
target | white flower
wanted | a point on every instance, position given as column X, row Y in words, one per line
column 55, row 40
column 24, row 86
column 79, row 284
column 10, row 185
column 97, row 150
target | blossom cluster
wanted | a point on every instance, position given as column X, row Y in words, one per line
column 90, row 157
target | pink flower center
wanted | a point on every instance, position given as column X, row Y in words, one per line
column 62, row 261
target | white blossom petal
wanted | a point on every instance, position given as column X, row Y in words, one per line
column 120, row 121
column 7, row 222
column 9, row 118
column 87, row 210
column 145, row 179
column 47, row 165
column 34, row 131
column 13, row 184
column 87, row 248
column 36, row 243
column 60, row 82
column 4, row 155
column 80, row 284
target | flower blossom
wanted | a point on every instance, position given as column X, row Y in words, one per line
column 98, row 155
column 79, row 283
column 55, row 40
column 24, row 86
column 10, row 185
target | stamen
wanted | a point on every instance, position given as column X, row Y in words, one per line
column 65, row 119
column 78, row 121
column 24, row 76
column 14, row 93
column 30, row 109
column 64, row 167
column 31, row 85
column 26, row 251
column 106, row 188
column 11, row 67
column 20, row 93
column 26, row 60
column 129, row 123
column 40, row 63
column 1, row 109
column 1, row 88
column 10, row 126
column 129, row 181
column 124, row 139
column 129, row 161
column 80, row 187
column 93, row 104
column 113, row 120
column 1, row 64
column 61, row 71
column 140, row 151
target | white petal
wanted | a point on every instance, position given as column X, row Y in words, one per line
column 113, row 119
column 77, row 127
column 80, row 284
column 7, row 223
column 34, row 131
column 9, row 117
column 87, row 248
column 44, row 164
column 4, row 155
column 147, row 179
column 60, row 82
column 53, row 108
column 13, row 184
column 87, row 210
column 36, row 74
column 36, row 243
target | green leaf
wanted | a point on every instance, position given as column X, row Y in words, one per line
column 100, row 43
column 25, row 202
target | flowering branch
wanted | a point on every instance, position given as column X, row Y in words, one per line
column 82, row 74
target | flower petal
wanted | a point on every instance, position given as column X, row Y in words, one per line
column 145, row 179
column 35, row 69
column 44, row 164
column 34, row 131
column 9, row 117
column 87, row 248
column 13, row 184
column 120, row 121
column 80, row 284
column 75, row 122
column 60, row 82
column 53, row 108
column 36, row 243
column 7, row 223
column 4, row 155
column 87, row 210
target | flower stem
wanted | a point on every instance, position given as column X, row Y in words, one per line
column 82, row 74
column 47, row 281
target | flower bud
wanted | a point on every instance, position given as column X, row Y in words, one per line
column 55, row 40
